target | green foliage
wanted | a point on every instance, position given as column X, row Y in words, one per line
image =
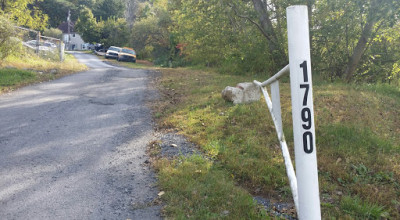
column 87, row 26
column 114, row 32
column 226, row 34
column 150, row 33
column 53, row 32
column 339, row 26
column 57, row 11
column 24, row 13
column 8, row 42
column 213, row 35
column 352, row 40
column 382, row 59
column 105, row 9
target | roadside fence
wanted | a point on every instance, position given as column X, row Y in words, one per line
column 46, row 47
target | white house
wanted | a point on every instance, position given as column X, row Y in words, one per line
column 72, row 40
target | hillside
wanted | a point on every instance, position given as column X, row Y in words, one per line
column 358, row 148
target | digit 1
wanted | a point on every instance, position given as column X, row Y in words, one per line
column 304, row 66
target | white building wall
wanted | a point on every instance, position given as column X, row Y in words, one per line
column 75, row 42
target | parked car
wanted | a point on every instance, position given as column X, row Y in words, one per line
column 100, row 52
column 32, row 44
column 112, row 52
column 127, row 54
column 49, row 44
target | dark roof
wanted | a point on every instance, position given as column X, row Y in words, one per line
column 64, row 27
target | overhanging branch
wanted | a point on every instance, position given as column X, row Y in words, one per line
column 251, row 21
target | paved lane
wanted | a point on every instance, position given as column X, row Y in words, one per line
column 74, row 148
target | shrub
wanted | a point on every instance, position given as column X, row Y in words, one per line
column 53, row 32
column 8, row 42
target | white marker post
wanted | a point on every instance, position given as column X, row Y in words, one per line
column 303, row 113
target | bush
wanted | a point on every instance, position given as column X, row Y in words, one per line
column 53, row 32
column 8, row 42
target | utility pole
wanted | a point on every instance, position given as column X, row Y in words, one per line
column 69, row 31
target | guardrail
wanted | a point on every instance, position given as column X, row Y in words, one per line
column 274, row 106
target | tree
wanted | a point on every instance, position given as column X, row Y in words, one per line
column 347, row 35
column 87, row 26
column 269, row 18
column 114, row 32
column 378, row 11
column 24, row 13
column 57, row 10
column 105, row 9
column 150, row 33
column 270, row 32
column 131, row 8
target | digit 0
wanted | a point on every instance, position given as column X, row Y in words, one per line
column 308, row 142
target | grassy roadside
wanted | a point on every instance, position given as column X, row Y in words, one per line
column 16, row 72
column 358, row 136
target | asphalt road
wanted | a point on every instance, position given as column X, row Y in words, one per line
column 74, row 148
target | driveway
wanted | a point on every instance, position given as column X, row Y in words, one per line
column 74, row 148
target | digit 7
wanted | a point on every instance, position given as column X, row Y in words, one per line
column 307, row 87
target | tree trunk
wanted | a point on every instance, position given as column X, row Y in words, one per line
column 275, row 47
column 131, row 8
column 355, row 58
column 3, row 5
column 358, row 51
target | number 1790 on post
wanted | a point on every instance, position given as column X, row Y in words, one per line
column 306, row 115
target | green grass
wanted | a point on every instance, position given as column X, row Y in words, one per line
column 25, row 70
column 359, row 209
column 12, row 77
column 358, row 136
column 198, row 188
column 382, row 89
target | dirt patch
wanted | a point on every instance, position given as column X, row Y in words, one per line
column 174, row 145
column 144, row 62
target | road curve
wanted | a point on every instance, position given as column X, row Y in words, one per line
column 74, row 148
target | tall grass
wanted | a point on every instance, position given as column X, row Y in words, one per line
column 17, row 71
